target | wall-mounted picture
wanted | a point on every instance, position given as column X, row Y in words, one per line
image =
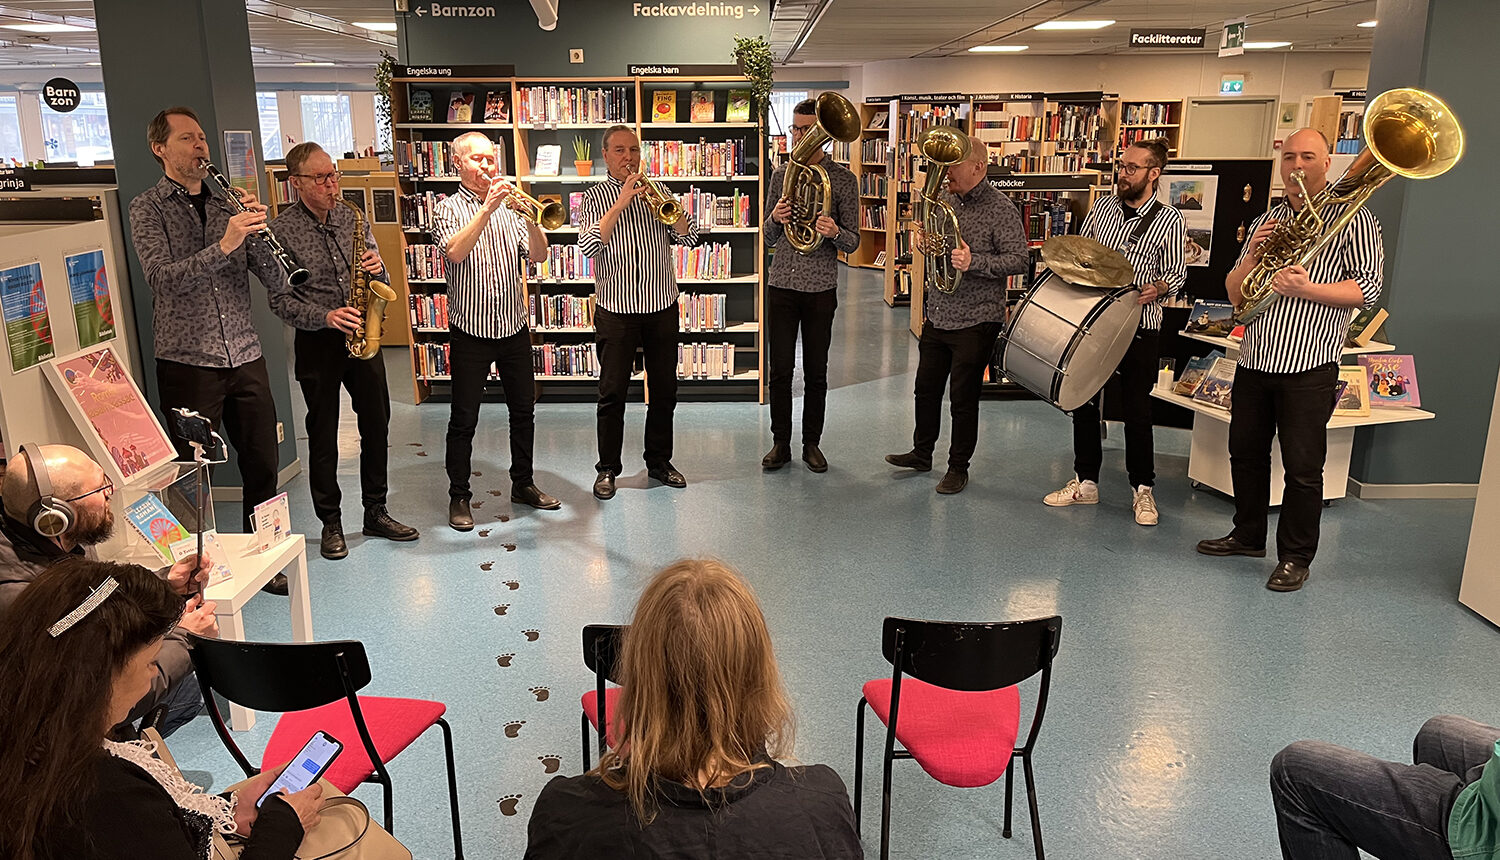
column 356, row 196
column 384, row 203
column 1288, row 114
column 1200, row 242
column 1186, row 194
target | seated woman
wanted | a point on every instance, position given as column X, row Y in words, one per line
column 75, row 654
column 701, row 721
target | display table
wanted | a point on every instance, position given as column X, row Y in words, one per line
column 1232, row 347
column 1480, row 587
column 251, row 571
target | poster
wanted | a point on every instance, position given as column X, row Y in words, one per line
column 88, row 284
column 28, row 328
column 97, row 390
column 239, row 160
column 1193, row 195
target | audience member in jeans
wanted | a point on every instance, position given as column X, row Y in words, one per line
column 701, row 722
column 75, row 655
column 1331, row 802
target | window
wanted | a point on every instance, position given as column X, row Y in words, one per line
column 10, row 130
column 326, row 122
column 782, row 102
column 270, row 125
column 81, row 135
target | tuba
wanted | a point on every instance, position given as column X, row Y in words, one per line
column 668, row 209
column 366, row 295
column 806, row 186
column 943, row 146
column 295, row 274
column 1408, row 132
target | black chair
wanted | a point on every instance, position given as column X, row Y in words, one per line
column 960, row 703
column 319, row 681
column 601, row 653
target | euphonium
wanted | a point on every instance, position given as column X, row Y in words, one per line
column 668, row 209
column 1409, row 133
column 548, row 216
column 366, row 295
column 806, row 186
column 943, row 147
column 295, row 274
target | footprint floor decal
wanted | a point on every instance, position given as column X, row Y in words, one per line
column 504, row 659
column 500, row 609
column 531, row 635
column 509, row 547
column 513, row 728
column 550, row 763
column 512, row 584
column 508, row 804
column 486, row 565
column 541, row 693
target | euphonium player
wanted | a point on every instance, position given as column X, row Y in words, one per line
column 319, row 231
column 486, row 244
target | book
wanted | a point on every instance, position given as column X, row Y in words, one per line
column 273, row 522
column 1354, row 400
column 149, row 516
column 1193, row 373
column 217, row 555
column 739, row 106
column 548, row 157
column 495, row 107
column 1210, row 317
column 663, row 105
column 880, row 119
column 1217, row 384
column 1236, row 334
column 461, row 107
column 701, row 107
column 1392, row 381
column 420, row 109
column 1365, row 325
column 880, row 258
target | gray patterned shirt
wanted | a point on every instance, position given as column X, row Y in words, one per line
column 991, row 227
column 200, row 298
column 818, row 271
column 326, row 250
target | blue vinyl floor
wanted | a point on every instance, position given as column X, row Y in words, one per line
column 1179, row 676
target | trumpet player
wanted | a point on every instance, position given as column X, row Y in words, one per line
column 487, row 243
column 193, row 250
column 958, row 336
column 319, row 231
column 803, row 291
column 635, row 292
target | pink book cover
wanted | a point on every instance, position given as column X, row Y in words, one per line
column 96, row 382
column 1393, row 380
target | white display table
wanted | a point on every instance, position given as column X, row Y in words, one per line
column 1480, row 588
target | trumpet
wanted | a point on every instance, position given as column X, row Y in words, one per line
column 668, row 209
column 295, row 274
column 548, row 216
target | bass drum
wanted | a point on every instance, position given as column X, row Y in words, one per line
column 1064, row 341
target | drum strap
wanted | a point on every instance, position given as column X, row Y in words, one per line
column 1143, row 224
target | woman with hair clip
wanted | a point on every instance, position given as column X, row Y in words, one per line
column 701, row 721
column 75, row 654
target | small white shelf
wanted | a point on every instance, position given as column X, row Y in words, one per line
column 1226, row 344
column 1376, row 416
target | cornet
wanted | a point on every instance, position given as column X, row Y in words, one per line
column 548, row 216
column 668, row 210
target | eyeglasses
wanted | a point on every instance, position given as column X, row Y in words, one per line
column 108, row 490
column 799, row 129
column 1129, row 169
column 321, row 178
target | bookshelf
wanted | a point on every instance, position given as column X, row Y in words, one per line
column 1341, row 120
column 1142, row 119
column 714, row 167
column 1047, row 132
column 909, row 117
column 872, row 175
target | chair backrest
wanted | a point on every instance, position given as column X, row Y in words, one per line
column 971, row 656
column 272, row 676
column 601, row 649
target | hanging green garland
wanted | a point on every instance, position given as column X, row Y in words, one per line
column 383, row 73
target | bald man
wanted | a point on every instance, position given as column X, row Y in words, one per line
column 25, row 553
column 958, row 336
column 1289, row 366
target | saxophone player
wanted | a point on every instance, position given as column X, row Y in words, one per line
column 320, row 232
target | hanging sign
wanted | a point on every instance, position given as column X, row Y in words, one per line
column 61, row 95
column 1232, row 40
column 1158, row 37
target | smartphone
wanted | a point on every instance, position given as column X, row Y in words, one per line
column 310, row 763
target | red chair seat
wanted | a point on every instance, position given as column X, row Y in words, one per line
column 611, row 702
column 960, row 738
column 393, row 724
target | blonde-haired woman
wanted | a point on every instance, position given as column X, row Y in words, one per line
column 702, row 720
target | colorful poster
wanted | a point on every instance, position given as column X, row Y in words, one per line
column 88, row 284
column 156, row 524
column 1194, row 195
column 98, row 385
column 28, row 328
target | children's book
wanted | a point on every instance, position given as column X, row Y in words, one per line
column 1354, row 400
column 1211, row 318
column 273, row 522
column 1393, row 380
column 1193, row 373
column 420, row 109
column 1217, row 384
column 702, row 106
column 548, row 157
column 214, row 551
column 149, row 516
column 739, row 106
column 664, row 106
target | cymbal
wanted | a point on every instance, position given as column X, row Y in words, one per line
column 1087, row 263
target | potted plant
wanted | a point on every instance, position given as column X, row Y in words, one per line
column 581, row 160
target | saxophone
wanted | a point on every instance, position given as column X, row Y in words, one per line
column 366, row 295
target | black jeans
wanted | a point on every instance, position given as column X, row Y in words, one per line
column 1331, row 801
column 1296, row 406
column 616, row 338
column 785, row 311
column 470, row 358
column 962, row 356
column 323, row 365
column 237, row 401
column 1137, row 371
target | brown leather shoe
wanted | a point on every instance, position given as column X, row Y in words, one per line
column 910, row 460
column 779, row 455
column 1288, row 576
column 530, row 495
column 953, row 482
column 814, row 458
column 460, row 518
column 1229, row 545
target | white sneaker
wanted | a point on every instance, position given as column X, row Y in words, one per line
column 1075, row 493
column 1145, row 506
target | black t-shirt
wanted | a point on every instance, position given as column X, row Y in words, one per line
column 1130, row 211
column 200, row 202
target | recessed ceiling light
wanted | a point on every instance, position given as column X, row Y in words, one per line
column 376, row 25
column 319, row 63
column 1265, row 46
column 93, row 64
column 997, row 49
column 1367, row 23
column 1072, row 25
column 48, row 28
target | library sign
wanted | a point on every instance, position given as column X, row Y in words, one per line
column 61, row 95
column 1158, row 37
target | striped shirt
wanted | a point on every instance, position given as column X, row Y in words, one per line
column 1156, row 256
column 635, row 274
column 486, row 296
column 1296, row 334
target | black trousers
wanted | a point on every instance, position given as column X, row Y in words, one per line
column 958, row 358
column 1296, row 406
column 786, row 311
column 1137, row 371
column 322, row 366
column 616, row 338
column 469, row 359
column 237, row 400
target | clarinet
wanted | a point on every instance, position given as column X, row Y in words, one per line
column 295, row 274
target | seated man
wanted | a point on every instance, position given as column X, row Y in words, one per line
column 25, row 552
column 1331, row 802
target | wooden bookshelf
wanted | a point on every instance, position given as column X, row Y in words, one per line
column 1341, row 120
column 872, row 178
column 1047, row 132
column 1142, row 119
column 909, row 117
